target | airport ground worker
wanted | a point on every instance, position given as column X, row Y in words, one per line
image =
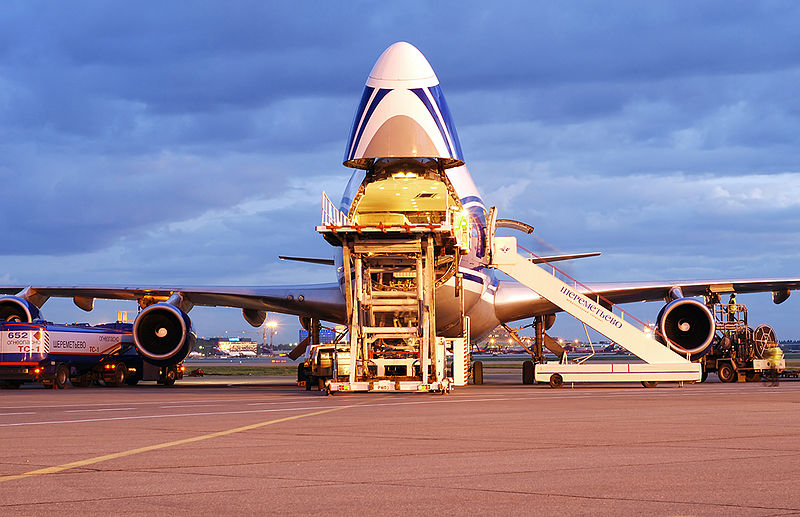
column 732, row 308
column 773, row 355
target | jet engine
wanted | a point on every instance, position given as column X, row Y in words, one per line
column 687, row 326
column 163, row 334
column 14, row 308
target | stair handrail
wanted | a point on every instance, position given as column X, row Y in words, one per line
column 589, row 293
column 331, row 215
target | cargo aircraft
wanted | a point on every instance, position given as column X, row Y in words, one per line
column 408, row 165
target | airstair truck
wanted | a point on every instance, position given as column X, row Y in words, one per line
column 660, row 363
column 54, row 354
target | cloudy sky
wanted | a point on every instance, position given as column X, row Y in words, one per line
column 188, row 143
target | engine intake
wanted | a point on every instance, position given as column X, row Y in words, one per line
column 16, row 309
column 163, row 334
column 687, row 326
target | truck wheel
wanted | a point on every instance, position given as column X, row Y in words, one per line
column 556, row 381
column 477, row 372
column 118, row 378
column 649, row 384
column 752, row 377
column 132, row 381
column 61, row 376
column 310, row 380
column 527, row 372
column 321, row 383
column 726, row 373
column 169, row 377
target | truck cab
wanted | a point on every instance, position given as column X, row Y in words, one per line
column 321, row 362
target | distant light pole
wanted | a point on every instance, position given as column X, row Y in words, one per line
column 273, row 329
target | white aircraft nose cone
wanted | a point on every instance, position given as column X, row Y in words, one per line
column 402, row 63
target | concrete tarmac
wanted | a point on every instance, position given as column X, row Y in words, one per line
column 256, row 446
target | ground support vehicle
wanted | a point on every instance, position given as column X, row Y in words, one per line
column 661, row 362
column 739, row 353
column 320, row 363
column 54, row 355
column 392, row 264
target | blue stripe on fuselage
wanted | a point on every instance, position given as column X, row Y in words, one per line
column 359, row 112
column 438, row 97
column 378, row 98
column 419, row 92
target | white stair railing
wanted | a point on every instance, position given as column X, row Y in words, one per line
column 331, row 215
column 569, row 299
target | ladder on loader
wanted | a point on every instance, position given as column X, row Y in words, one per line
column 660, row 362
column 390, row 280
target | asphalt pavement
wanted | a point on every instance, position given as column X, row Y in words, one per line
column 262, row 446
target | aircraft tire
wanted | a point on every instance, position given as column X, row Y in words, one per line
column 301, row 372
column 556, row 381
column 649, row 384
column 527, row 372
column 477, row 372
column 61, row 376
column 726, row 373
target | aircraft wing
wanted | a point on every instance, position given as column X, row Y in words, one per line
column 323, row 301
column 514, row 301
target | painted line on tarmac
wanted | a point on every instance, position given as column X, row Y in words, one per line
column 256, row 411
column 104, row 409
column 273, row 403
column 129, row 402
column 271, row 410
column 21, row 413
column 566, row 394
column 170, row 415
column 131, row 452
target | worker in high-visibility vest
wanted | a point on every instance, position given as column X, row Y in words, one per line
column 732, row 308
column 773, row 355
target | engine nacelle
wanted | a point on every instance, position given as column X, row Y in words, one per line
column 16, row 309
column 688, row 327
column 163, row 334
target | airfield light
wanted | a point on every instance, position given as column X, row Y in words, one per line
column 273, row 325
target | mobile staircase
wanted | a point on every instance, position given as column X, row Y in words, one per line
column 660, row 362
